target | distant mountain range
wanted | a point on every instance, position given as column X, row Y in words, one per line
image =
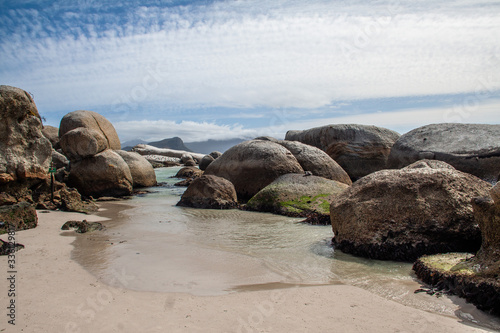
column 203, row 147
column 206, row 147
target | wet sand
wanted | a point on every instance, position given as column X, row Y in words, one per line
column 56, row 294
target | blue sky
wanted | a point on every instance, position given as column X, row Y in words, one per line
column 224, row 69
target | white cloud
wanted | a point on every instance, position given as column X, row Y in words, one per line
column 189, row 131
column 259, row 53
column 402, row 121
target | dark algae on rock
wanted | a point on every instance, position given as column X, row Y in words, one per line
column 475, row 278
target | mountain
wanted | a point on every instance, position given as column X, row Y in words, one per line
column 172, row 143
column 128, row 145
column 206, row 147
column 202, row 147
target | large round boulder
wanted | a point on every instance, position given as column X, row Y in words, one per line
column 25, row 154
column 51, row 133
column 254, row 164
column 424, row 208
column 105, row 174
column 93, row 121
column 358, row 149
column 143, row 173
column 471, row 148
column 209, row 191
column 297, row 195
column 82, row 142
column 205, row 162
column 316, row 161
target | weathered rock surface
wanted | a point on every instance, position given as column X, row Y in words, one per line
column 475, row 278
column 458, row 273
column 92, row 121
column 207, row 159
column 25, row 154
column 143, row 174
column 59, row 160
column 424, row 208
column 209, row 191
column 205, row 162
column 316, row 161
column 17, row 217
column 82, row 227
column 51, row 133
column 187, row 160
column 189, row 172
column 150, row 150
column 81, row 142
column 358, row 149
column 252, row 165
column 297, row 195
column 487, row 214
column 471, row 148
column 105, row 174
column 7, row 248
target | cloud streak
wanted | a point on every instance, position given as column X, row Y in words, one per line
column 245, row 55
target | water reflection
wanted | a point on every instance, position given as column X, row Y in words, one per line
column 210, row 252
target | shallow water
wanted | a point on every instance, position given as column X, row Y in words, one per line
column 161, row 247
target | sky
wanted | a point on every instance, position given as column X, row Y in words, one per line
column 239, row 69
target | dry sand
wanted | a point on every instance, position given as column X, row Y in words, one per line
column 55, row 294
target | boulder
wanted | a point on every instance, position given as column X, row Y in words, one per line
column 17, row 217
column 215, row 154
column 82, row 142
column 252, row 165
column 424, row 208
column 59, row 160
column 105, row 174
column 51, row 133
column 297, row 195
column 189, row 172
column 358, row 149
column 495, row 193
column 92, row 121
column 143, row 174
column 187, row 160
column 474, row 278
column 25, row 154
column 316, row 161
column 471, row 148
column 209, row 191
column 205, row 162
column 267, row 138
column 207, row 159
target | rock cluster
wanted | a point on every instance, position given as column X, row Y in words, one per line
column 358, row 149
column 98, row 166
column 471, row 148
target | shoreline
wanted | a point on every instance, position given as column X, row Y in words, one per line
column 57, row 294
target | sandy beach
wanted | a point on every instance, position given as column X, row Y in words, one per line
column 56, row 294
